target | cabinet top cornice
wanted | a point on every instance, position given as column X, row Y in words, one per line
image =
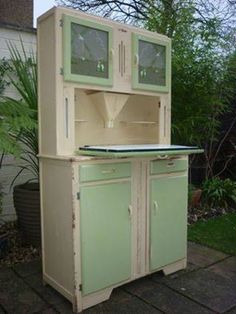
column 76, row 13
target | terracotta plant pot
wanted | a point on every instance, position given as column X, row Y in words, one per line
column 195, row 198
column 27, row 205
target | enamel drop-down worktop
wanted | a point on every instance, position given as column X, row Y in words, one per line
column 141, row 150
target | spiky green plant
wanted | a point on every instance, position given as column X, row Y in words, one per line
column 18, row 117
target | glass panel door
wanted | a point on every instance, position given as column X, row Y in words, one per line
column 87, row 52
column 151, row 64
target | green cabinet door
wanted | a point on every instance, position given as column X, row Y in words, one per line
column 150, row 64
column 87, row 51
column 168, row 220
column 105, row 235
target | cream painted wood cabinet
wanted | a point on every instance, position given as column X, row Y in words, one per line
column 108, row 216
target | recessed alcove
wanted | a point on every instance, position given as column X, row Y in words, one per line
column 113, row 118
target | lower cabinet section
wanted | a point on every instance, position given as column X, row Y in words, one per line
column 105, row 235
column 110, row 222
column 168, row 220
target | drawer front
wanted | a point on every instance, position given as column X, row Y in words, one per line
column 105, row 171
column 168, row 166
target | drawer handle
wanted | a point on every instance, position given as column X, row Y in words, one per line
column 130, row 210
column 108, row 171
column 155, row 208
column 136, row 60
column 170, row 164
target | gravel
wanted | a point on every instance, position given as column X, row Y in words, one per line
column 16, row 251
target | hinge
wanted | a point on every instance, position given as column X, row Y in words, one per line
column 78, row 195
column 80, row 287
column 61, row 23
column 61, row 71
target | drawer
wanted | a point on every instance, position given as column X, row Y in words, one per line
column 105, row 171
column 168, row 166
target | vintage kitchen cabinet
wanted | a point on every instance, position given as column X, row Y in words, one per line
column 113, row 188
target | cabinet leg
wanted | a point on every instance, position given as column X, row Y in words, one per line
column 172, row 268
column 74, row 307
column 96, row 297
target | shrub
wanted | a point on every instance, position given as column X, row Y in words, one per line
column 219, row 193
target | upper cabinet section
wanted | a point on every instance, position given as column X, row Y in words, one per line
column 97, row 53
column 150, row 64
column 88, row 51
column 100, row 82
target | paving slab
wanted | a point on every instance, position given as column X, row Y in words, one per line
column 226, row 268
column 119, row 302
column 208, row 288
column 203, row 256
column 27, row 269
column 64, row 308
column 159, row 277
column 46, row 292
column 47, row 311
column 1, row 311
column 232, row 311
column 15, row 296
column 164, row 298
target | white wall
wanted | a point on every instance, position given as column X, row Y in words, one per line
column 10, row 169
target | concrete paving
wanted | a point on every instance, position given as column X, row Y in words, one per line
column 208, row 285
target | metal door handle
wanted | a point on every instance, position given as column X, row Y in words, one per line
column 155, row 207
column 130, row 210
column 136, row 59
column 111, row 54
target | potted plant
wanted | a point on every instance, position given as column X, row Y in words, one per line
column 22, row 140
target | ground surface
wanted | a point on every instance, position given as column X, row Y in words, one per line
column 218, row 233
column 207, row 286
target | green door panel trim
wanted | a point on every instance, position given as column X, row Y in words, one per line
column 68, row 76
column 168, row 166
column 168, row 220
column 104, row 171
column 106, row 231
column 150, row 87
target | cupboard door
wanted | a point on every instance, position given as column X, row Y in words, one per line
column 151, row 64
column 105, row 235
column 87, row 52
column 168, row 220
